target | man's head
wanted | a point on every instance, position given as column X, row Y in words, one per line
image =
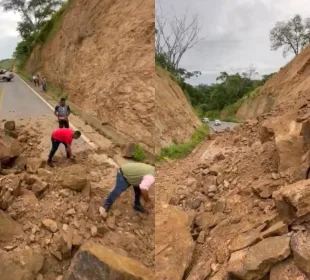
column 76, row 134
column 63, row 101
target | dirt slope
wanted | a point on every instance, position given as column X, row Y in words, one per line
column 175, row 119
column 103, row 57
column 284, row 92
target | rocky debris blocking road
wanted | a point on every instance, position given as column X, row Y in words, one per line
column 47, row 214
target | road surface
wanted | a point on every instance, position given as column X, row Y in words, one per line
column 18, row 101
column 223, row 126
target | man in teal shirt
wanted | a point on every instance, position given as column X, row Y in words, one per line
column 139, row 175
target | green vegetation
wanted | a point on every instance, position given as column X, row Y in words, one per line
column 41, row 19
column 226, row 95
column 178, row 151
column 6, row 64
column 139, row 153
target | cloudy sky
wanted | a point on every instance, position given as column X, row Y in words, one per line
column 8, row 34
column 236, row 34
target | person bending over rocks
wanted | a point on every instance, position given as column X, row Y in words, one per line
column 62, row 136
column 138, row 175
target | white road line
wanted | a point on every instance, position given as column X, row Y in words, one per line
column 87, row 140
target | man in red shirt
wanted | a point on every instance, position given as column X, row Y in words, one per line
column 62, row 136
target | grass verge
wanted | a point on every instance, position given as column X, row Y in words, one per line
column 178, row 151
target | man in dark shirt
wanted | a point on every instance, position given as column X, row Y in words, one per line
column 62, row 136
column 62, row 112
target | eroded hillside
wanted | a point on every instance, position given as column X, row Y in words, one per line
column 102, row 56
column 175, row 119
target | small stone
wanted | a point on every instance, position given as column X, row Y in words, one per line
column 117, row 213
column 275, row 176
column 201, row 237
column 77, row 240
column 211, row 194
column 219, row 206
column 50, row 225
column 39, row 277
column 70, row 212
column 65, row 227
column 226, row 184
column 57, row 255
column 277, row 229
column 60, row 277
column 94, row 231
column 212, row 189
column 111, row 222
column 215, row 267
column 102, row 230
column 64, row 193
column 10, row 248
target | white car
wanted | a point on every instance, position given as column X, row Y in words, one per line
column 6, row 76
column 206, row 120
column 217, row 122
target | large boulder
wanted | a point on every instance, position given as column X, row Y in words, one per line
column 74, row 177
column 10, row 148
column 286, row 270
column 300, row 245
column 266, row 133
column 293, row 201
column 20, row 265
column 8, row 227
column 33, row 164
column 255, row 262
column 94, row 261
column 174, row 244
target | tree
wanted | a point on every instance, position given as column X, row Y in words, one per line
column 34, row 13
column 292, row 35
column 176, row 36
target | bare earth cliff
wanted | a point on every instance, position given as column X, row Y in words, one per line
column 103, row 57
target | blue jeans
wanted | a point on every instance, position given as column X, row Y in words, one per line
column 121, row 185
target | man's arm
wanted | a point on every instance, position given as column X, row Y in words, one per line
column 145, row 185
column 69, row 110
column 69, row 151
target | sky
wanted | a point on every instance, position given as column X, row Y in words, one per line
column 236, row 34
column 8, row 35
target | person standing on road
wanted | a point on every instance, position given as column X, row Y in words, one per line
column 62, row 136
column 62, row 112
column 139, row 175
column 34, row 79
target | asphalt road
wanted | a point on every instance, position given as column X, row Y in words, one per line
column 17, row 100
column 223, row 126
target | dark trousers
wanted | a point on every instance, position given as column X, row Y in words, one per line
column 63, row 124
column 55, row 145
column 121, row 185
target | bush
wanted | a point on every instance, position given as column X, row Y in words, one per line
column 178, row 151
column 139, row 153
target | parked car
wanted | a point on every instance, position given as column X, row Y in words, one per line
column 217, row 122
column 205, row 120
column 6, row 76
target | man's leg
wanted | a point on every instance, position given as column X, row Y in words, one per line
column 55, row 145
column 120, row 186
column 61, row 123
column 66, row 124
column 137, row 204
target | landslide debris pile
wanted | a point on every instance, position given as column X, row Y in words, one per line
column 241, row 212
column 50, row 226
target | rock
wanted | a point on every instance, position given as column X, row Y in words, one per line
column 265, row 187
column 236, row 265
column 93, row 261
column 21, row 265
column 94, row 231
column 129, row 150
column 266, row 133
column 12, row 183
column 286, row 270
column 77, row 240
column 66, row 242
column 277, row 229
column 39, row 277
column 207, row 220
column 74, row 177
column 70, row 212
column 172, row 255
column 6, row 199
column 9, row 125
column 9, row 229
column 300, row 245
column 245, row 240
column 50, row 225
column 45, row 174
column 219, row 206
column 33, row 164
column 10, row 148
column 200, row 271
column 261, row 257
column 219, row 156
column 39, row 187
column 201, row 237
column 292, row 201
